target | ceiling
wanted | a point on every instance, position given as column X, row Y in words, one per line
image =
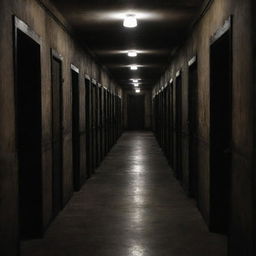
column 162, row 26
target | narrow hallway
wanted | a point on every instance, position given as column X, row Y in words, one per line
column 133, row 206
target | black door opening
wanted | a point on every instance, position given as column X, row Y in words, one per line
column 167, row 140
column 98, row 130
column 88, row 112
column 101, row 121
column 106, row 120
column 28, row 132
column 94, row 126
column 193, row 129
column 136, row 112
column 171, row 142
column 220, row 131
column 178, row 126
column 164, row 107
column 57, row 134
column 75, row 129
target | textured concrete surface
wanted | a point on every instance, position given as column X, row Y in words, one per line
column 53, row 36
column 242, row 220
column 133, row 206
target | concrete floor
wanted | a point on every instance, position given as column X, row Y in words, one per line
column 133, row 206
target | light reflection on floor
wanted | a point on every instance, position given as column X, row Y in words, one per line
column 137, row 250
column 137, row 187
column 133, row 206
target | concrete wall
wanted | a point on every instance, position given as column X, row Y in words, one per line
column 198, row 43
column 253, row 9
column 53, row 35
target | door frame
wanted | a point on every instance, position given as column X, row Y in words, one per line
column 54, row 54
column 171, row 124
column 192, row 165
column 88, row 120
column 226, row 28
column 94, row 123
column 76, row 183
column 178, row 133
column 19, row 25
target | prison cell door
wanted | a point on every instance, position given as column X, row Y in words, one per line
column 28, row 133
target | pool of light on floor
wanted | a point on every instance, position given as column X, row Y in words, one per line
column 137, row 250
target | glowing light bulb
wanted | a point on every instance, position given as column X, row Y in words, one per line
column 136, row 84
column 132, row 53
column 137, row 90
column 134, row 67
column 130, row 21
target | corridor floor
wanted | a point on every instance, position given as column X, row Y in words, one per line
column 133, row 206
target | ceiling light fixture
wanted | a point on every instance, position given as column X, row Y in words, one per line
column 134, row 67
column 137, row 90
column 130, row 21
column 136, row 84
column 132, row 53
column 135, row 80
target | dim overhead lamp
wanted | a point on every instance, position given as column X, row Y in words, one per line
column 137, row 90
column 132, row 53
column 134, row 67
column 130, row 21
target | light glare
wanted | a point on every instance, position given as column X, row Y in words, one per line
column 132, row 53
column 137, row 90
column 130, row 21
column 134, row 67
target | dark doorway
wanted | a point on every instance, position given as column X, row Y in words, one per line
column 178, row 126
column 113, row 118
column 193, row 129
column 101, row 137
column 112, row 104
column 161, row 118
column 171, row 125
column 88, row 111
column 167, row 120
column 220, row 130
column 75, row 128
column 106, row 120
column 109, row 120
column 28, row 131
column 120, row 120
column 57, row 133
column 136, row 112
column 98, row 124
column 94, row 125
